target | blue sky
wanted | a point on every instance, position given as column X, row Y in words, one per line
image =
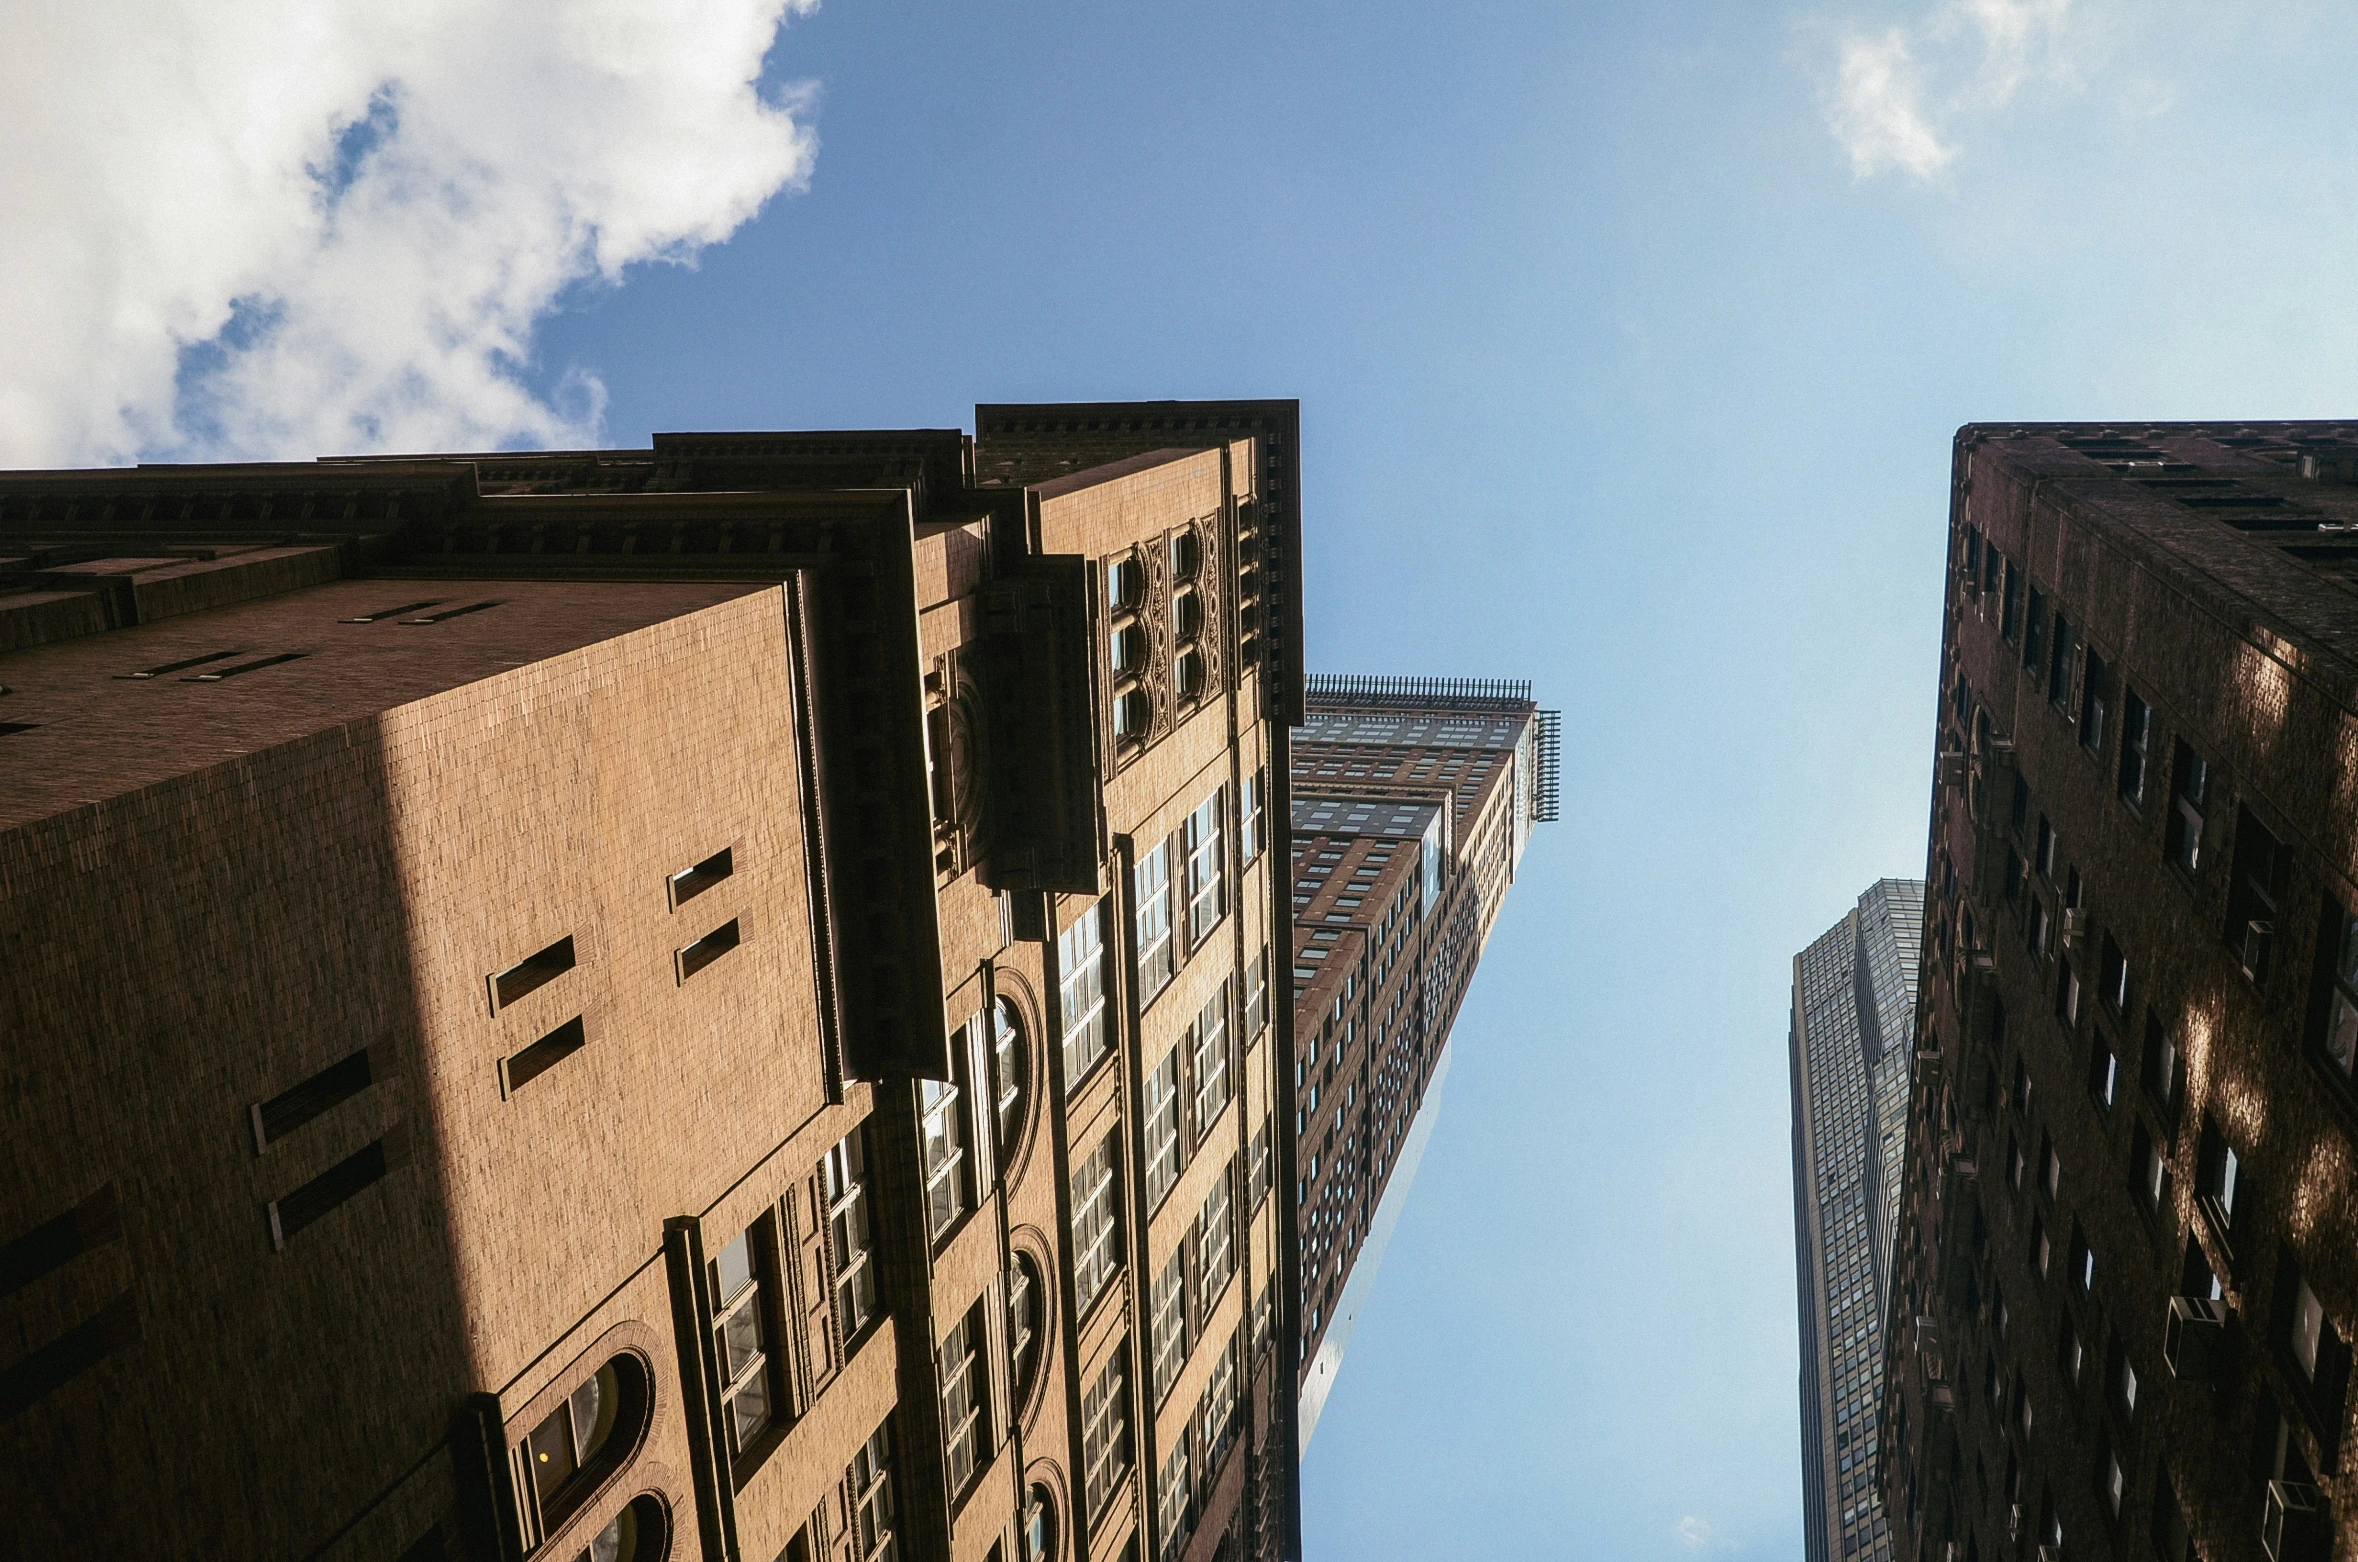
column 1629, row 340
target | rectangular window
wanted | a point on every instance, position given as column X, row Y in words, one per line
column 453, row 612
column 2104, row 1072
column 1080, row 962
column 345, row 1180
column 2219, row 1174
column 256, row 665
column 1174, row 1515
column 2190, row 783
column 2151, row 1179
column 2034, row 633
column 532, row 973
column 1105, row 1433
column 2162, row 1075
column 1262, row 1159
column 2112, row 977
column 689, row 883
column 393, row 612
column 1215, row 1416
column 1255, row 813
column 1256, row 994
column 2338, row 960
column 2010, row 605
column 1211, row 1061
column 180, row 666
column 2136, row 734
column 1096, row 1205
column 2059, row 665
column 1160, row 1127
column 541, row 1056
column 331, row 1087
column 1206, row 837
column 740, row 1336
column 948, row 1172
column 870, row 1489
column 965, row 1424
column 2095, row 702
column 1169, row 1323
column 1151, row 944
column 696, row 956
column 2256, row 885
column 1216, row 1240
column 2043, row 849
column 849, row 1237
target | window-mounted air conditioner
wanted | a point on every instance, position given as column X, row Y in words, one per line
column 1949, row 769
column 2075, row 927
column 2296, row 1525
column 2194, row 1339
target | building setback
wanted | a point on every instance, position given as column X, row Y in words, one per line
column 2127, row 1270
column 1412, row 802
column 709, row 1001
column 1854, row 1007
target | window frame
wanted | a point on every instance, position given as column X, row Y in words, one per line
column 1085, row 1032
column 844, row 1186
column 1097, row 1222
column 1152, row 953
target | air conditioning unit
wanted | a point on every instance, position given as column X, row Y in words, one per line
column 2296, row 1525
column 2194, row 1339
column 2259, row 941
column 1949, row 769
column 2075, row 927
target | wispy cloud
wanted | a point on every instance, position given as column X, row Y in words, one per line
column 289, row 227
column 1900, row 95
column 1696, row 1534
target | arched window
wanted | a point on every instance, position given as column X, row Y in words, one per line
column 1010, row 1077
column 578, row 1444
column 1039, row 1526
column 1027, row 1331
column 641, row 1532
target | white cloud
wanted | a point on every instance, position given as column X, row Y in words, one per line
column 1899, row 95
column 1877, row 112
column 353, row 212
column 1696, row 1534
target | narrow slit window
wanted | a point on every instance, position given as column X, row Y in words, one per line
column 50, row 1368
column 182, row 665
column 707, row 949
column 392, row 612
column 289, row 1110
column 537, row 971
column 453, row 612
column 541, row 1056
column 58, row 1241
column 245, row 667
column 689, row 883
column 340, row 1183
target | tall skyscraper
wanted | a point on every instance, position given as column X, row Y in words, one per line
column 2127, row 1273
column 1854, row 1009
column 708, row 1001
column 1412, row 802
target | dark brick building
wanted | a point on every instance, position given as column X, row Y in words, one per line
column 713, row 1001
column 1412, row 802
column 2127, row 1270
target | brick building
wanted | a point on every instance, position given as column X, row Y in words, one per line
column 1412, row 802
column 704, row 1001
column 2127, row 1272
column 1854, row 1011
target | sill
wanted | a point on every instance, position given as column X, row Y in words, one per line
column 748, row 1464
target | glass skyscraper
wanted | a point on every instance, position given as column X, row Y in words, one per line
column 1854, row 1001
